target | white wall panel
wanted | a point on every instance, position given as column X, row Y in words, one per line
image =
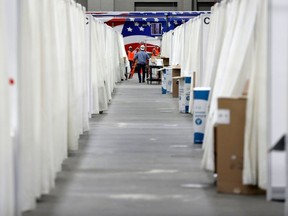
column 278, row 61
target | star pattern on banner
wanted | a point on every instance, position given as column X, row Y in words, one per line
column 175, row 22
column 148, row 24
column 136, row 24
column 132, row 19
column 156, row 20
column 141, row 28
column 129, row 29
column 144, row 19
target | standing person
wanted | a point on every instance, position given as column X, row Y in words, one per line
column 141, row 58
column 133, row 68
column 130, row 54
column 157, row 51
column 154, row 52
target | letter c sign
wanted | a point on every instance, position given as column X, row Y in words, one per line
column 207, row 20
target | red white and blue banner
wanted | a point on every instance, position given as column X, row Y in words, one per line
column 137, row 27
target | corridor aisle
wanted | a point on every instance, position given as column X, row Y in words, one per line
column 138, row 160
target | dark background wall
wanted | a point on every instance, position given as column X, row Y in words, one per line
column 83, row 2
column 140, row 5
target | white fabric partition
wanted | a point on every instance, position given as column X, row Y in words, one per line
column 55, row 77
column 177, row 47
column 184, row 47
column 53, row 106
column 242, row 57
column 256, row 143
column 190, row 61
column 97, row 80
column 122, row 55
column 277, row 187
column 166, row 44
column 107, row 63
column 215, row 40
column 7, row 204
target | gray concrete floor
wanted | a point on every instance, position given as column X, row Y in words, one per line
column 138, row 160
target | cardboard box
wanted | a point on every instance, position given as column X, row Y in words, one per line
column 230, row 145
column 200, row 109
column 168, row 74
column 175, row 89
column 163, row 81
column 184, row 94
column 165, row 61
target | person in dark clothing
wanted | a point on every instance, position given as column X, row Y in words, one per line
column 141, row 58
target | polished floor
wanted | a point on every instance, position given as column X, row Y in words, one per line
column 138, row 160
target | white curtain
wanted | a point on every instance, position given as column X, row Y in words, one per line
column 187, row 49
column 256, row 145
column 30, row 107
column 215, row 41
column 96, row 78
column 54, row 84
column 53, row 104
column 178, row 40
column 241, row 51
column 6, row 149
column 122, row 55
column 107, row 66
column 166, row 45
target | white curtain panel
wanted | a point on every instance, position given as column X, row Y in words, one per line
column 7, row 205
column 196, row 47
column 109, row 50
column 72, row 77
column 176, row 54
column 256, row 146
column 116, row 56
column 187, row 51
column 60, row 89
column 85, row 70
column 54, row 104
column 230, row 80
column 30, row 107
column 107, row 63
column 195, row 57
column 215, row 41
column 54, row 90
column 100, row 67
column 94, row 67
column 164, row 43
column 122, row 54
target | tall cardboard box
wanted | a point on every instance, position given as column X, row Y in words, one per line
column 163, row 81
column 200, row 109
column 184, row 94
column 168, row 75
column 230, row 146
column 176, row 72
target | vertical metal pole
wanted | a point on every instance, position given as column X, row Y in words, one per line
column 195, row 6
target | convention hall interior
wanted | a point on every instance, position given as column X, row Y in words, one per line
column 143, row 107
